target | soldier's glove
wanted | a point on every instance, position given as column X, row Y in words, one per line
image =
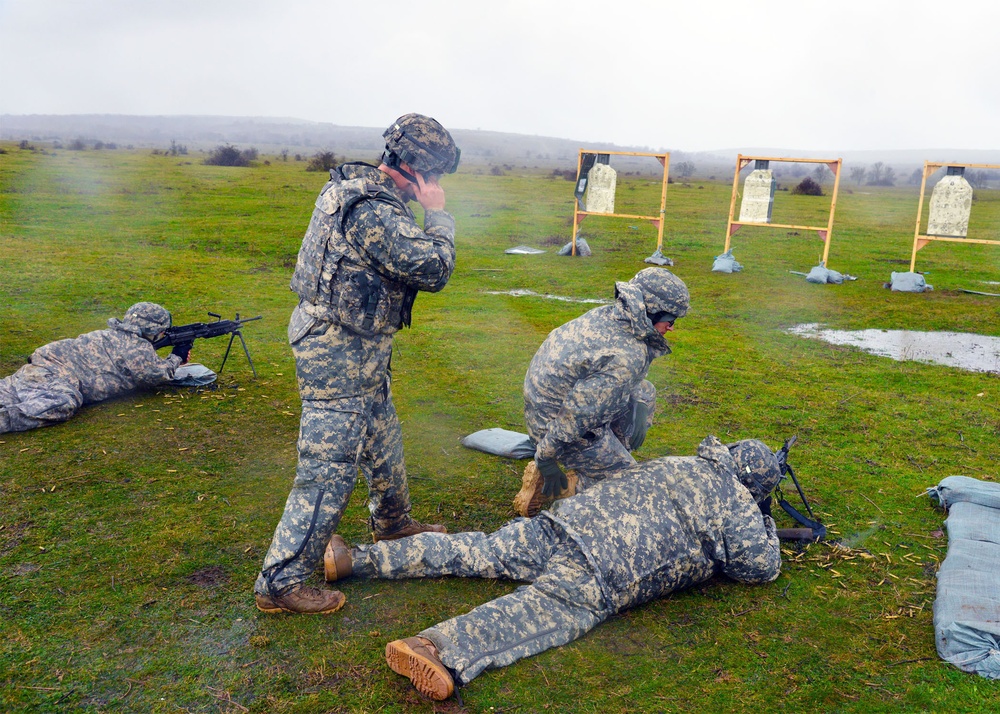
column 182, row 350
column 765, row 506
column 554, row 481
column 640, row 417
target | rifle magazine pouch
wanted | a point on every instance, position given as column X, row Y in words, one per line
column 967, row 606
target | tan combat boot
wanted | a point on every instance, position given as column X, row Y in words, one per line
column 302, row 601
column 530, row 499
column 337, row 563
column 416, row 658
column 410, row 527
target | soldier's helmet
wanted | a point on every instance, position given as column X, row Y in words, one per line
column 665, row 295
column 151, row 319
column 422, row 143
column 757, row 467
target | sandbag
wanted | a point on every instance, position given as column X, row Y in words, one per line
column 967, row 605
column 726, row 263
column 908, row 283
column 582, row 248
column 193, row 375
column 823, row 275
column 501, row 442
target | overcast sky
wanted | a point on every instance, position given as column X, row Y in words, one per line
column 701, row 75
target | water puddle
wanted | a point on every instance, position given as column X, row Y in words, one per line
column 522, row 292
column 976, row 353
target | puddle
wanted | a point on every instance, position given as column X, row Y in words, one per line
column 531, row 293
column 976, row 353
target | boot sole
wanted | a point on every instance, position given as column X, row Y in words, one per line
column 529, row 500
column 331, row 573
column 277, row 609
column 425, row 676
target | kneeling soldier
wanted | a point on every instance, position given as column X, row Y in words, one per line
column 587, row 402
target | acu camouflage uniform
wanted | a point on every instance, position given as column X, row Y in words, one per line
column 583, row 381
column 667, row 524
column 62, row 376
column 362, row 261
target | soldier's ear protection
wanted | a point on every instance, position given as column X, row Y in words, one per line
column 393, row 161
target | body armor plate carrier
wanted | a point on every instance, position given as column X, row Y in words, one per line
column 332, row 277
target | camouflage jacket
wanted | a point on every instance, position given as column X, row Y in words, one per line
column 364, row 257
column 584, row 373
column 106, row 363
column 670, row 523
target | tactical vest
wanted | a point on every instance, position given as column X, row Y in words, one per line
column 330, row 274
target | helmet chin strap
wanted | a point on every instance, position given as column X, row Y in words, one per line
column 394, row 162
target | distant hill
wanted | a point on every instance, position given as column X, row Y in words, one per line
column 275, row 134
column 271, row 135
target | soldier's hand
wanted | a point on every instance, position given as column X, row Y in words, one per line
column 183, row 350
column 765, row 506
column 428, row 193
column 640, row 416
column 554, row 481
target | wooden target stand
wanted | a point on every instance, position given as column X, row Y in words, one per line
column 919, row 240
column 825, row 232
column 657, row 220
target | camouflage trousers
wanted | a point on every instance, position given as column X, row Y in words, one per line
column 563, row 602
column 604, row 451
column 348, row 423
column 35, row 396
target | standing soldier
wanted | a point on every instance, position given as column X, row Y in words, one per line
column 587, row 402
column 361, row 263
column 62, row 376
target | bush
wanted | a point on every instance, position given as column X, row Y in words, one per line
column 808, row 187
column 229, row 155
column 322, row 161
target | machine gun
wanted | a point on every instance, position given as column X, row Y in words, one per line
column 812, row 529
column 189, row 333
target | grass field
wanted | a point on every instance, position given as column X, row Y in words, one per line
column 131, row 535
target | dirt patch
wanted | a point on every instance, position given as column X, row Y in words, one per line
column 11, row 537
column 25, row 569
column 210, row 577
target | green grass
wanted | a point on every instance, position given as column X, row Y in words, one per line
column 131, row 535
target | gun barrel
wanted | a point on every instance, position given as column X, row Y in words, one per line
column 796, row 534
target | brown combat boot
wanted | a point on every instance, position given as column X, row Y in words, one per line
column 410, row 527
column 303, row 601
column 416, row 658
column 337, row 563
column 530, row 499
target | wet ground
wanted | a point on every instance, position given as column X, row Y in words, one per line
column 976, row 353
column 531, row 293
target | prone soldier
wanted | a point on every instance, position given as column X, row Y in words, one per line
column 62, row 376
column 665, row 524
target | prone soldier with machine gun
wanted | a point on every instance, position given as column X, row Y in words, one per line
column 62, row 376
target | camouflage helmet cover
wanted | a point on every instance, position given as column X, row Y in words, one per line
column 421, row 142
column 662, row 291
column 147, row 319
column 757, row 467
